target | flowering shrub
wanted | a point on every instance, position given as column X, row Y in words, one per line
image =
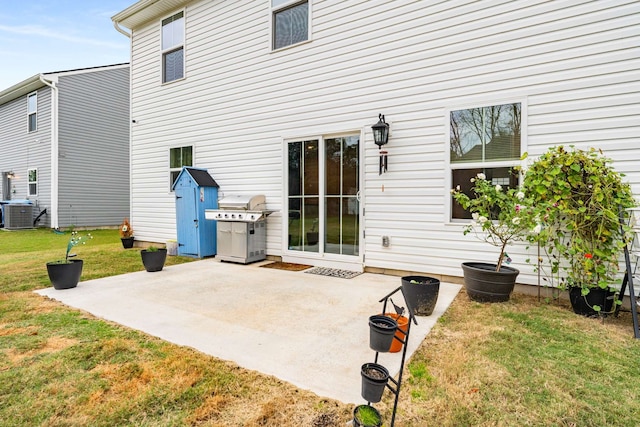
column 577, row 195
column 500, row 216
column 125, row 229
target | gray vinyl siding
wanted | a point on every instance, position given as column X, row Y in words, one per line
column 574, row 65
column 93, row 147
column 21, row 150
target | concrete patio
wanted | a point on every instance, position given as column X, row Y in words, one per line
column 309, row 330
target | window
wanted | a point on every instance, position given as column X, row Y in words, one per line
column 173, row 48
column 290, row 22
column 179, row 157
column 33, row 182
column 32, row 112
column 487, row 140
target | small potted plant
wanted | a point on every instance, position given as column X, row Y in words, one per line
column 126, row 234
column 577, row 195
column 500, row 217
column 65, row 273
column 366, row 416
column 153, row 258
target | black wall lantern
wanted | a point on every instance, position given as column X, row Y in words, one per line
column 381, row 137
column 380, row 132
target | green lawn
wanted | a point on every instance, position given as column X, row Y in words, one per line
column 520, row 363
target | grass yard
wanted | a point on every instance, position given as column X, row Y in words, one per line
column 520, row 363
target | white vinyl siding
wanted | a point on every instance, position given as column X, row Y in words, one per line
column 574, row 64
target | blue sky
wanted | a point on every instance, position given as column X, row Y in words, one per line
column 54, row 35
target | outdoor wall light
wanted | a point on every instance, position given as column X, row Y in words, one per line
column 380, row 132
column 381, row 137
column 10, row 175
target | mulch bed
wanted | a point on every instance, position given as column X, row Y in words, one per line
column 286, row 266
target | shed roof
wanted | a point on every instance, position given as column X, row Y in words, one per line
column 200, row 176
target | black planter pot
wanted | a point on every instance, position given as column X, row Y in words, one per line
column 374, row 381
column 65, row 275
column 127, row 242
column 374, row 418
column 422, row 295
column 381, row 332
column 484, row 284
column 583, row 304
column 153, row 260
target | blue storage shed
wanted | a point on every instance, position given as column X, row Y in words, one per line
column 195, row 190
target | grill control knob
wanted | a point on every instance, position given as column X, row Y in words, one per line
column 233, row 215
column 226, row 215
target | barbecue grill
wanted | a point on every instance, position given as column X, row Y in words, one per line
column 242, row 229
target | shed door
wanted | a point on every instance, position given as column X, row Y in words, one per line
column 187, row 220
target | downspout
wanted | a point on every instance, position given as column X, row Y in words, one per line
column 116, row 25
column 54, row 152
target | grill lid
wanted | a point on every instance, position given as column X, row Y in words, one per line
column 242, row 202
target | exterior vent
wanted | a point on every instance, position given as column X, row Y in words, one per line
column 18, row 216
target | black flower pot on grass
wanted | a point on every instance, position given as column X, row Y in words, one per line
column 153, row 260
column 374, row 381
column 65, row 275
column 381, row 332
column 127, row 242
column 484, row 284
column 420, row 294
column 584, row 304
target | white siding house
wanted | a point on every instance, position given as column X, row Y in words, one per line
column 277, row 97
column 64, row 146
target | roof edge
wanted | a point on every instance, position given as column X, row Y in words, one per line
column 20, row 89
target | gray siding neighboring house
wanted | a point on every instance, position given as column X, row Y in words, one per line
column 79, row 148
column 267, row 119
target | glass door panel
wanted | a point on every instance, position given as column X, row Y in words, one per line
column 342, row 229
column 303, row 195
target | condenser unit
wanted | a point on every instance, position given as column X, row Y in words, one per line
column 18, row 216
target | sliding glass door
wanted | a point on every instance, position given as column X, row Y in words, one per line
column 323, row 195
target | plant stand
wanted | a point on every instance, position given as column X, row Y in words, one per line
column 393, row 385
column 631, row 267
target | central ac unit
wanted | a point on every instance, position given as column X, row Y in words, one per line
column 18, row 216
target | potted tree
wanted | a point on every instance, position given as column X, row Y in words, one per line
column 577, row 196
column 126, row 234
column 65, row 273
column 500, row 217
column 153, row 258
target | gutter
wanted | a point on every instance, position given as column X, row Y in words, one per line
column 54, row 152
column 117, row 26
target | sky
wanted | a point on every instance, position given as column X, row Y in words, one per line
column 40, row 36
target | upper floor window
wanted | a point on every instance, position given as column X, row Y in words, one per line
column 32, row 112
column 179, row 157
column 173, row 48
column 290, row 22
column 487, row 140
column 32, row 174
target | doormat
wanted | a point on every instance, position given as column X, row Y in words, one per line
column 334, row 272
column 286, row 266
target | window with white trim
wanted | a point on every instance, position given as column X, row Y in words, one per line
column 173, row 48
column 32, row 112
column 290, row 22
column 32, row 175
column 179, row 157
column 484, row 140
